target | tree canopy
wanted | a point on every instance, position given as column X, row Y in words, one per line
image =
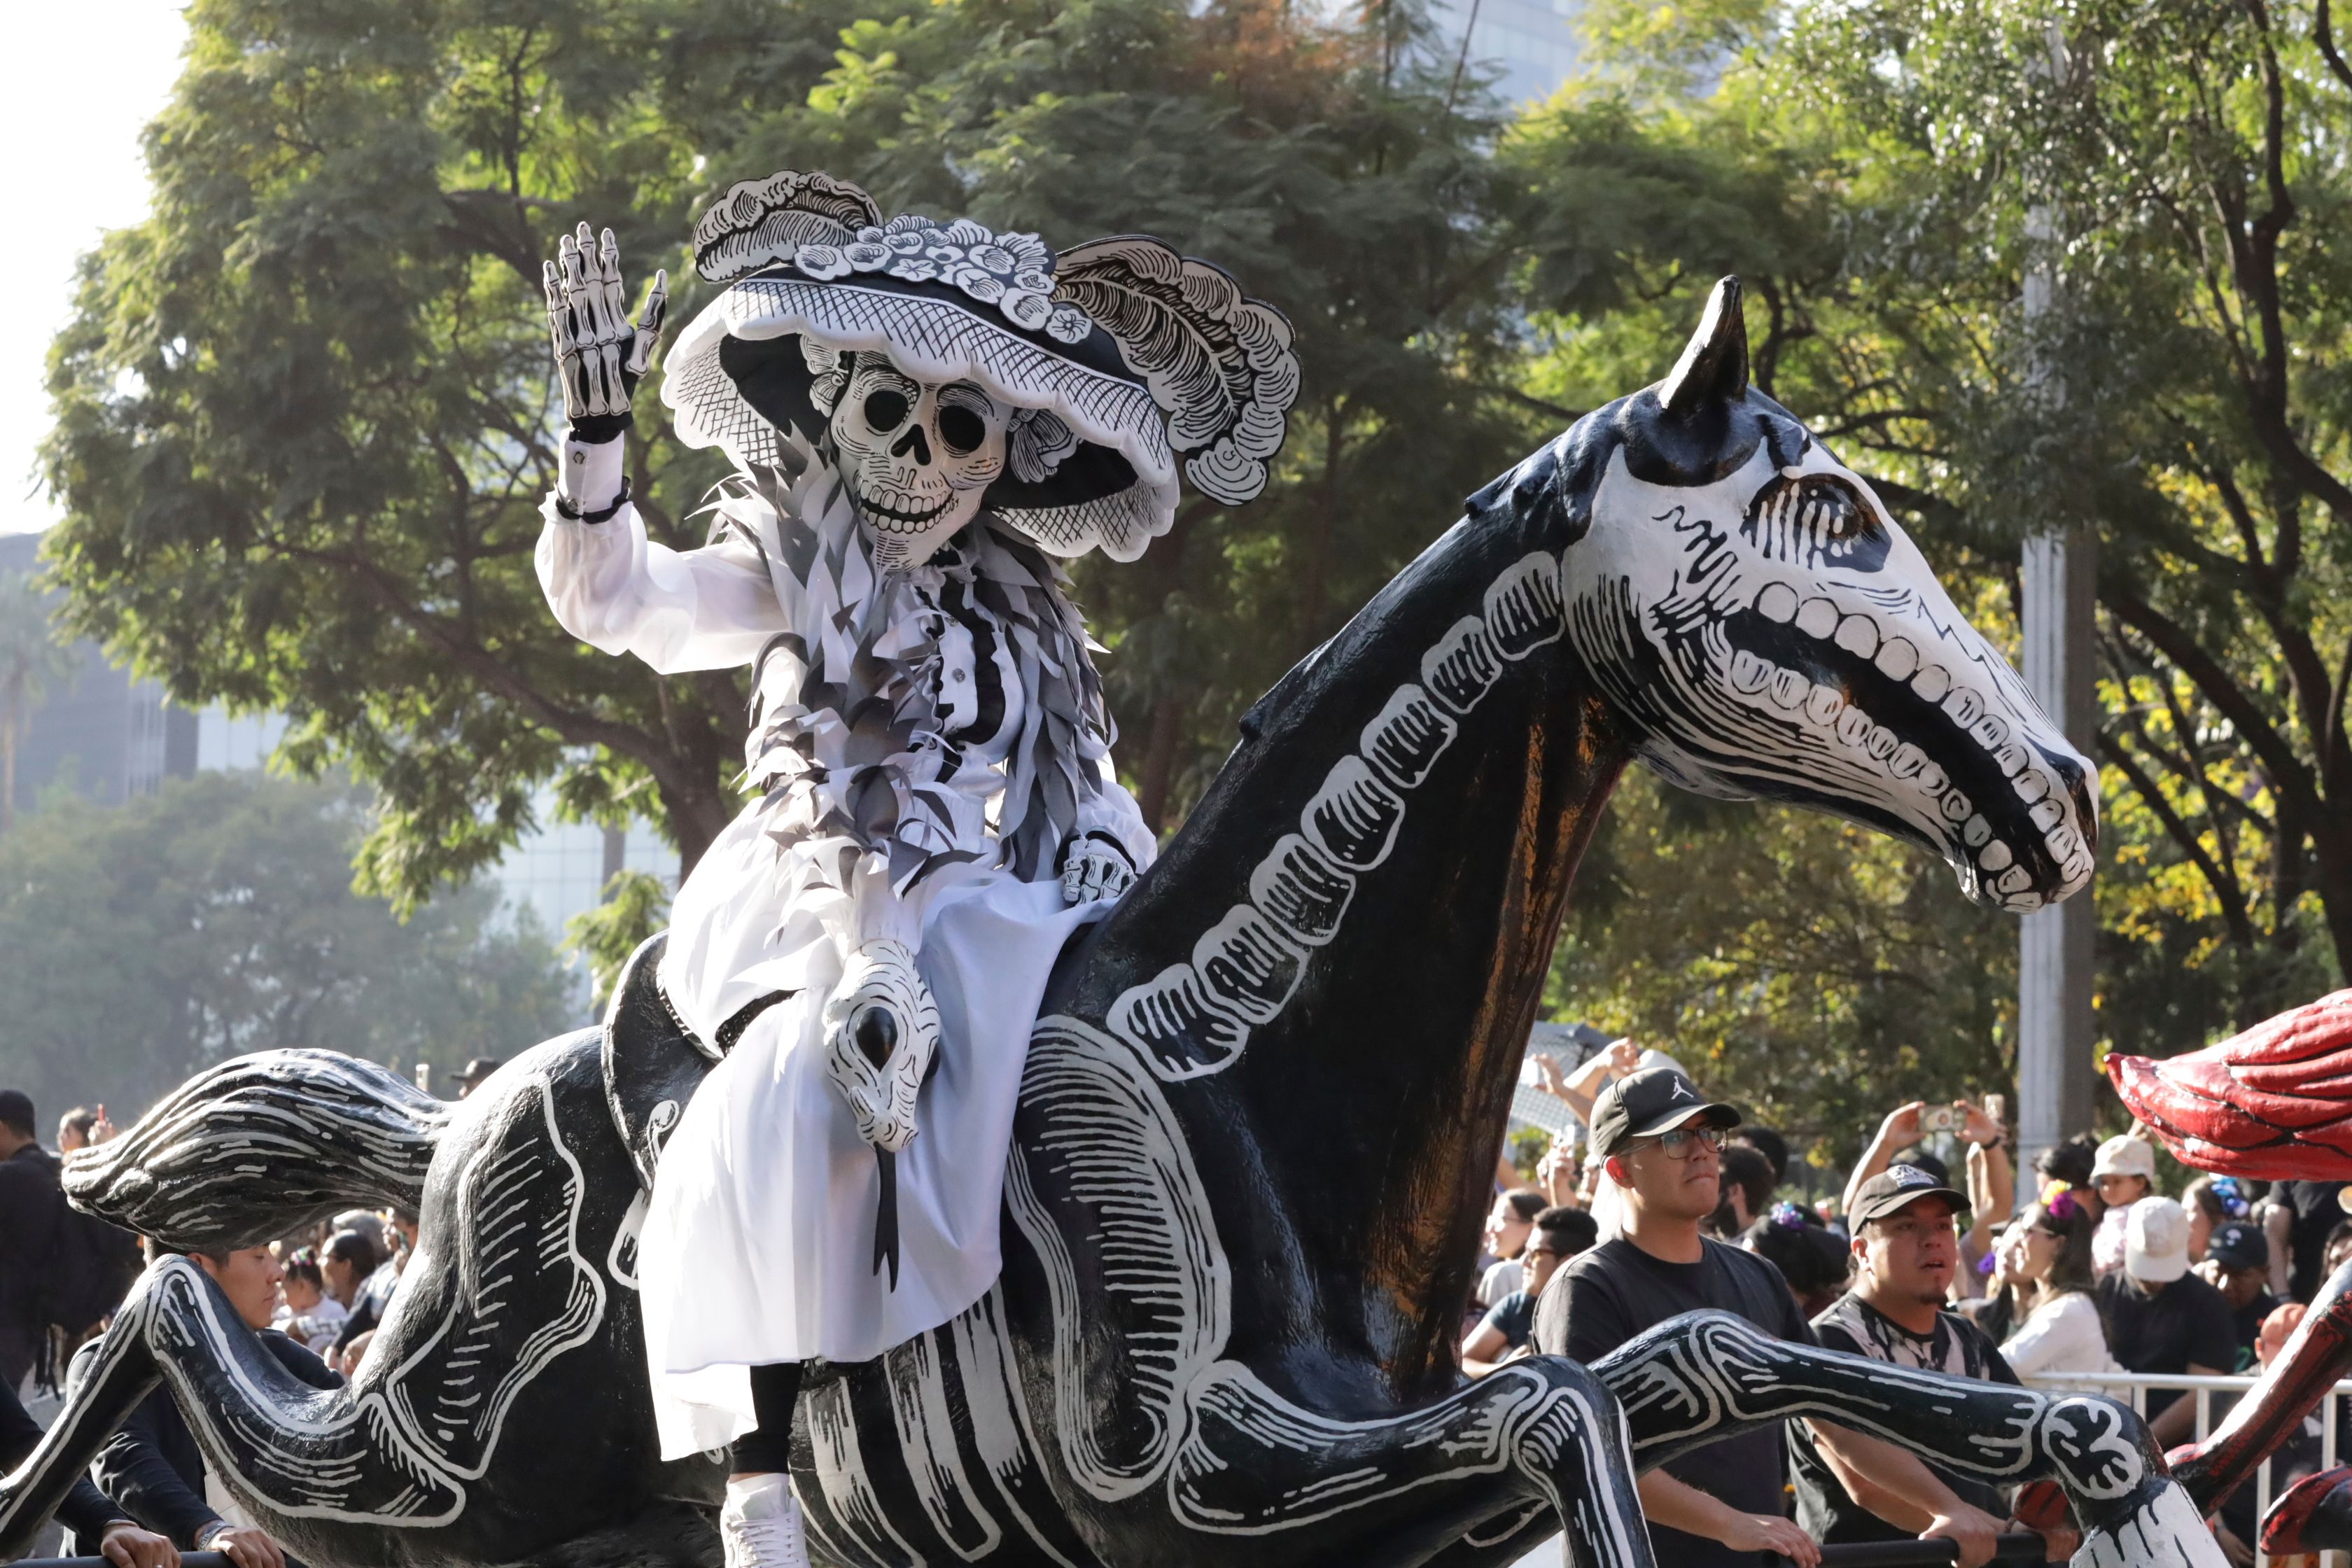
column 143, row 942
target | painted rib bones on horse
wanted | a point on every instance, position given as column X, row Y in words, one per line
column 1258, row 1122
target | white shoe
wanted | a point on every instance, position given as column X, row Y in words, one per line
column 761, row 1525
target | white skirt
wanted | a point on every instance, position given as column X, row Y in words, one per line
column 759, row 1240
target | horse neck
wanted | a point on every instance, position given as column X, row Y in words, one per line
column 1448, row 753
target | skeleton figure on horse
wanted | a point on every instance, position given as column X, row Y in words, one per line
column 984, row 1133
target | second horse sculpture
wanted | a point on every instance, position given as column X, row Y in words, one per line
column 1257, row 1125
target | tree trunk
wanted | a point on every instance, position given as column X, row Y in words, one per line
column 2332, row 865
column 1154, row 779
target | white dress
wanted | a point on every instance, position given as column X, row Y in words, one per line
column 923, row 744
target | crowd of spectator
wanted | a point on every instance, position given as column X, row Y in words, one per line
column 315, row 1298
column 1672, row 1202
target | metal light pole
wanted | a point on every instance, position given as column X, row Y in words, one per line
column 2056, row 1043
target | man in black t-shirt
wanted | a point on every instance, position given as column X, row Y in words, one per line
column 2163, row 1319
column 1558, row 1234
column 2305, row 1212
column 1719, row 1506
column 1904, row 1250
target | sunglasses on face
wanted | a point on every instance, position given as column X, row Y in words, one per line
column 1684, row 1141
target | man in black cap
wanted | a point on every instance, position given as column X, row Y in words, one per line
column 29, row 1206
column 1719, row 1506
column 478, row 1072
column 1904, row 1251
column 2237, row 1264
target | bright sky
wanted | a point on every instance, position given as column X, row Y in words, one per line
column 91, row 75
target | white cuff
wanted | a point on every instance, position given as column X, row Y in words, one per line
column 593, row 473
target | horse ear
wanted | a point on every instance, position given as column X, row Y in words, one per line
column 1714, row 366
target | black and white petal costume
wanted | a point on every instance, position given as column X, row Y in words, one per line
column 925, row 742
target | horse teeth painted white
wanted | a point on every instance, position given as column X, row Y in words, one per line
column 1776, row 634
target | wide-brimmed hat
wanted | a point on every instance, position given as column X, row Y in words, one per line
column 1128, row 363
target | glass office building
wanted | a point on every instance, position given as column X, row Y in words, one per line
column 1528, row 45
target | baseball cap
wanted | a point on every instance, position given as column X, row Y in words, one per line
column 1898, row 1187
column 2156, row 1241
column 2237, row 1244
column 2124, row 1155
column 1645, row 1103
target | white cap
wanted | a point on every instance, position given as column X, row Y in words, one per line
column 2125, row 1156
column 2156, row 1241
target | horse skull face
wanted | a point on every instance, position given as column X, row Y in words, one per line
column 915, row 455
column 1772, row 632
column 881, row 1034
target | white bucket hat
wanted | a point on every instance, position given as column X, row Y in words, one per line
column 1126, row 361
column 2124, row 1155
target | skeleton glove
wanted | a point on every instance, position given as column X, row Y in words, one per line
column 601, row 355
column 881, row 1041
column 1094, row 868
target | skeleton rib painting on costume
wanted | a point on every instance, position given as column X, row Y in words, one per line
column 924, row 417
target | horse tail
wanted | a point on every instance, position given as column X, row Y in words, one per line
column 262, row 1145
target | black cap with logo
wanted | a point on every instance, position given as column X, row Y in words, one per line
column 2239, row 1245
column 1646, row 1103
column 1896, row 1187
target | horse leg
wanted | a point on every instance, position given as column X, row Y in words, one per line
column 1541, row 1434
column 265, row 1430
column 1501, row 1542
column 1709, row 1376
column 2291, row 1388
column 95, row 1406
column 261, row 1145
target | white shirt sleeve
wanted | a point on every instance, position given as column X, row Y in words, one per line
column 1112, row 812
column 614, row 588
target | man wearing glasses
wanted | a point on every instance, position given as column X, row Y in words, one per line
column 1721, row 1506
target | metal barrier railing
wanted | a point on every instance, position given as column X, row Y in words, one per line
column 2134, row 1388
column 2020, row 1548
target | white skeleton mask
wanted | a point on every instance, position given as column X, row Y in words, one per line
column 881, row 1032
column 916, row 455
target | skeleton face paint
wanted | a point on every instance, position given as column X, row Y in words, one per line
column 881, row 1031
column 1776, row 634
column 916, row 456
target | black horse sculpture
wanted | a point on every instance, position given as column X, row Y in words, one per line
column 1257, row 1125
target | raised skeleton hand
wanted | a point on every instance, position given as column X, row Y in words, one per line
column 600, row 353
column 1093, row 868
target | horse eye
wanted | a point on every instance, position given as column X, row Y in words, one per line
column 876, row 1034
column 962, row 430
column 885, row 411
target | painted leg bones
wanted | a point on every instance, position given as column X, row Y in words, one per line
column 1709, row 1376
